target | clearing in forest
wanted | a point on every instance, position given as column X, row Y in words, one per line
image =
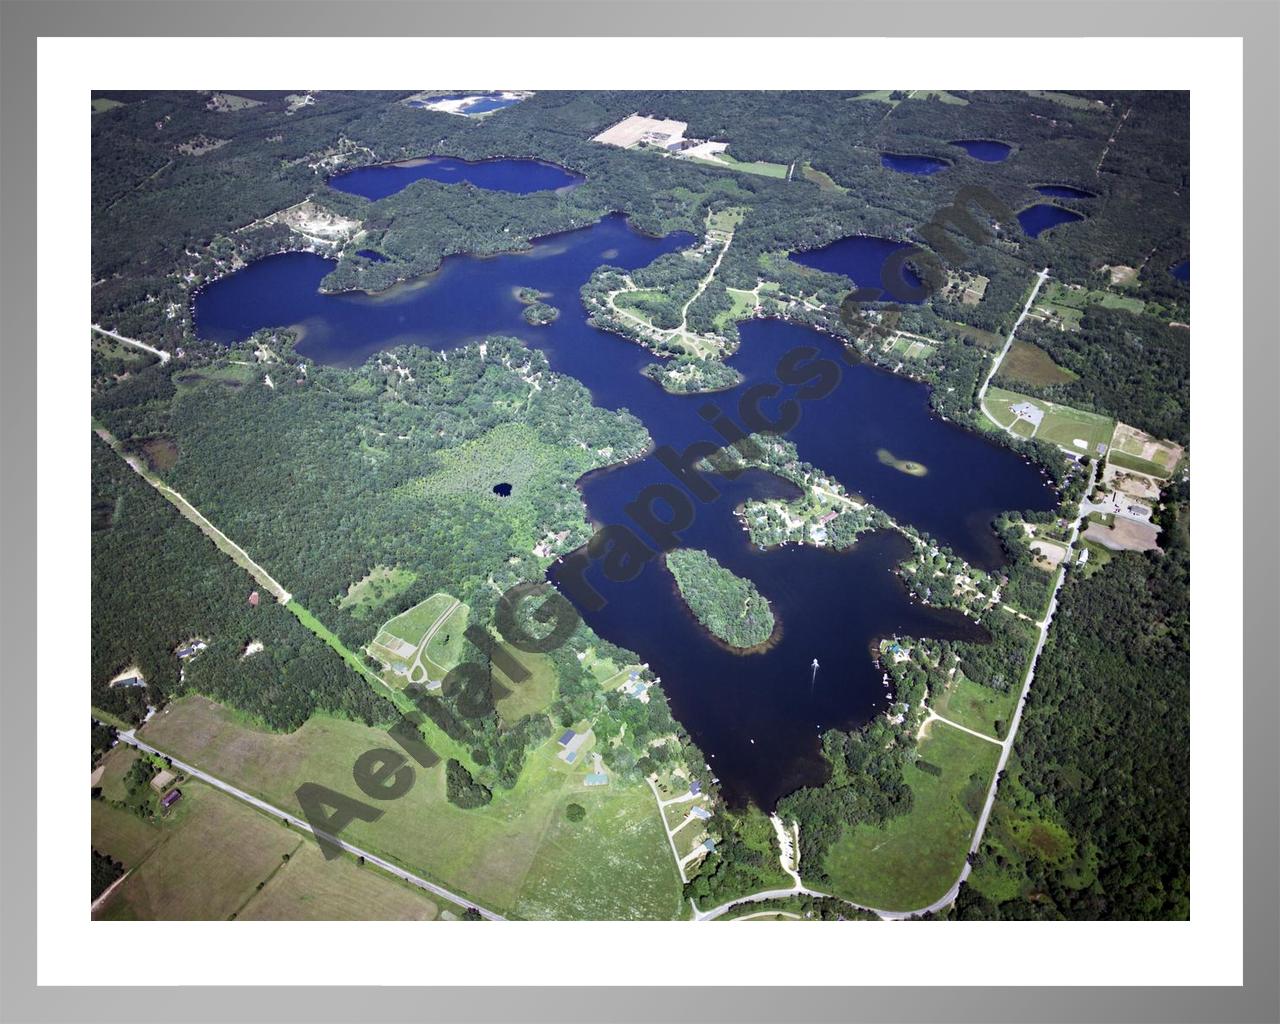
column 404, row 643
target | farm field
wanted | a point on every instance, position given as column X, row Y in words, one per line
column 122, row 835
column 208, row 867
column 916, row 856
column 1060, row 425
column 1026, row 363
column 486, row 854
column 310, row 888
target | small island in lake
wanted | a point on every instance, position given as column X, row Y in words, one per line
column 887, row 458
column 536, row 311
column 685, row 375
column 728, row 606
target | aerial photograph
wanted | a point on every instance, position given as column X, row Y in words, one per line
column 662, row 505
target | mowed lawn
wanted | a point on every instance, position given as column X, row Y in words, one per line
column 1061, row 424
column 208, row 867
column 310, row 888
column 916, row 857
column 122, row 835
column 412, row 625
column 487, row 854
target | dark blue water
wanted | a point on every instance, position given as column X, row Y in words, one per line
column 372, row 254
column 985, row 149
column 831, row 606
column 519, row 176
column 1065, row 192
column 861, row 258
column 909, row 164
column 1035, row 220
column 1182, row 270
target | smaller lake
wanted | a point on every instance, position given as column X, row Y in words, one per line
column 505, row 175
column 1065, row 192
column 1036, row 220
column 861, row 258
column 372, row 255
column 471, row 104
column 908, row 164
column 986, row 150
column 1182, row 270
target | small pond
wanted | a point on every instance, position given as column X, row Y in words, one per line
column 1036, row 220
column 909, row 164
column 1065, row 192
column 986, row 150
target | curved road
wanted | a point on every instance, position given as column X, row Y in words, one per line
column 262, row 805
column 1006, row 746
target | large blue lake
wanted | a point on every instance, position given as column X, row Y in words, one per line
column 520, row 176
column 832, row 606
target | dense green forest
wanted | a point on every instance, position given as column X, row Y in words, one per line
column 1134, row 367
column 161, row 212
column 1093, row 820
column 333, row 472
column 728, row 605
column 159, row 583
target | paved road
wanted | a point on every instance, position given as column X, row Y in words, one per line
column 164, row 356
column 1006, row 746
column 262, row 805
column 1008, row 343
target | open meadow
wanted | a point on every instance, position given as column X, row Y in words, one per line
column 914, row 859
column 496, row 854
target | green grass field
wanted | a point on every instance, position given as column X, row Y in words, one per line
column 443, row 744
column 915, row 858
column 1066, row 99
column 975, row 706
column 1126, row 461
column 1064, row 299
column 1030, row 364
column 101, row 105
column 1061, row 425
column 761, row 167
column 447, row 647
column 491, row 854
column 209, row 865
column 412, row 625
column 124, row 836
column 310, row 888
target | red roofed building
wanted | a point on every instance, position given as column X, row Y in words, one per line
column 828, row 517
column 253, row 600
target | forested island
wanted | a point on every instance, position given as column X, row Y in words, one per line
column 731, row 608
